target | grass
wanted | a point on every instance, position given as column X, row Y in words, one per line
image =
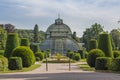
column 86, row 67
column 23, row 70
column 82, row 60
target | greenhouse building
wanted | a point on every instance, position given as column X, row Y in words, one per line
column 59, row 38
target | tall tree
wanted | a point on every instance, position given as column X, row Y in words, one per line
column 115, row 34
column 92, row 33
column 36, row 34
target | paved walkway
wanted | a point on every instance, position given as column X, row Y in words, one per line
column 59, row 72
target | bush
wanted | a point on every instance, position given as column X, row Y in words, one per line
column 81, row 52
column 26, row 55
column 93, row 54
column 40, row 55
column 76, row 56
column 116, row 64
column 93, row 44
column 35, row 48
column 105, row 44
column 2, row 52
column 103, row 63
column 116, row 54
column 86, row 53
column 47, row 53
column 69, row 54
column 3, row 63
column 37, row 58
column 12, row 42
column 25, row 42
column 15, row 63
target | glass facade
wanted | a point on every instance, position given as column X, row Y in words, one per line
column 59, row 38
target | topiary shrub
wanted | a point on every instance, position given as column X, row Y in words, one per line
column 69, row 54
column 81, row 52
column 93, row 54
column 34, row 48
column 116, row 54
column 103, row 63
column 3, row 63
column 12, row 42
column 116, row 64
column 105, row 44
column 37, row 58
column 2, row 52
column 25, row 42
column 93, row 44
column 15, row 63
column 26, row 55
column 76, row 56
column 40, row 55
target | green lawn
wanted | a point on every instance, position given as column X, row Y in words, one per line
column 86, row 67
column 23, row 70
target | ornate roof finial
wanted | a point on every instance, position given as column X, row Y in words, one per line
column 58, row 15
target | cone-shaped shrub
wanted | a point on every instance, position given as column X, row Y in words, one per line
column 103, row 63
column 25, row 42
column 12, row 42
column 93, row 44
column 26, row 55
column 93, row 54
column 15, row 63
column 105, row 44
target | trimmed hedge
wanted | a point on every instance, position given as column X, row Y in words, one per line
column 76, row 56
column 26, row 55
column 2, row 52
column 69, row 54
column 105, row 44
column 82, row 54
column 93, row 54
column 12, row 42
column 103, row 63
column 40, row 55
column 15, row 63
column 3, row 63
column 93, row 44
column 25, row 42
column 34, row 48
column 116, row 54
column 116, row 64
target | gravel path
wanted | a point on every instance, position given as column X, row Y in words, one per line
column 59, row 72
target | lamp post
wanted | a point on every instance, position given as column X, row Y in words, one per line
column 69, row 64
column 46, row 61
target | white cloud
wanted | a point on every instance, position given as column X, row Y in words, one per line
column 78, row 14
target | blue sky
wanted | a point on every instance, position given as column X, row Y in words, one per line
column 78, row 14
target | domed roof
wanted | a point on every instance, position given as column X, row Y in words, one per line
column 58, row 26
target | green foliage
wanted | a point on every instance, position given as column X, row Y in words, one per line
column 103, row 63
column 93, row 54
column 105, row 44
column 3, row 63
column 115, row 34
column 15, row 63
column 116, row 64
column 3, row 37
column 47, row 53
column 93, row 44
column 69, row 54
column 26, row 55
column 40, row 55
column 76, row 56
column 91, row 33
column 116, row 54
column 37, row 58
column 35, row 32
column 12, row 42
column 86, row 53
column 82, row 54
column 2, row 52
column 25, row 42
column 35, row 48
